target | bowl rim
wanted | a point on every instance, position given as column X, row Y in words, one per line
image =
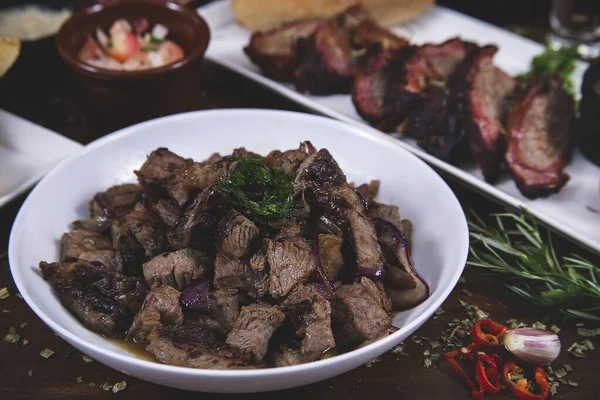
column 462, row 238
column 201, row 27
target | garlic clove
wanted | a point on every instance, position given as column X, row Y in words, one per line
column 533, row 345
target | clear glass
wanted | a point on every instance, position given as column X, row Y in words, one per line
column 576, row 23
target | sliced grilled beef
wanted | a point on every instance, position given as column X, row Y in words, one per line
column 309, row 315
column 540, row 140
column 148, row 229
column 390, row 85
column 96, row 312
column 320, row 169
column 104, row 301
column 243, row 152
column 79, row 241
column 197, row 227
column 116, row 201
column 332, row 259
column 369, row 33
column 386, row 212
column 128, row 291
column 195, row 346
column 177, row 269
column 367, row 252
column 328, row 64
column 192, row 178
column 160, row 165
column 254, row 327
column 234, row 273
column 105, row 257
column 168, row 211
column 356, row 316
column 275, row 51
column 291, row 261
column 377, row 291
column 486, row 90
column 235, row 234
column 160, row 308
column 290, row 160
column 98, row 224
column 224, row 307
column 129, row 253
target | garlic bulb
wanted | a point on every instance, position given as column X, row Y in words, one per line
column 532, row 345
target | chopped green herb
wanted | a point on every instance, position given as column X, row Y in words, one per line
column 30, row 373
column 568, row 368
column 435, row 344
column 427, row 363
column 435, row 356
column 467, row 293
column 6, row 311
column 86, row 358
column 554, row 388
column 79, row 379
column 119, row 386
column 462, row 279
column 92, row 384
column 399, row 349
column 439, row 311
column 589, row 344
column 23, row 325
column 47, row 353
column 560, row 62
column 373, row 361
column 574, row 384
column 154, row 40
column 260, row 192
column 106, row 386
column 109, row 45
column 18, row 295
column 426, row 352
column 4, row 293
column 539, row 325
column 555, row 329
column 479, row 314
column 560, row 373
column 463, row 303
column 12, row 336
column 588, row 332
column 146, row 49
column 579, row 324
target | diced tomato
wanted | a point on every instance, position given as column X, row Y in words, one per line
column 125, row 45
column 170, row 52
column 90, row 50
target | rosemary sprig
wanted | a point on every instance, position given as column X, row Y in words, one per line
column 515, row 249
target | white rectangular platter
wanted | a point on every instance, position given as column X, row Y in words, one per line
column 570, row 212
column 27, row 152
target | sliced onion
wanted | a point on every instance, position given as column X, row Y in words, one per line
column 402, row 297
column 195, row 296
column 102, row 37
column 160, row 32
column 375, row 271
column 319, row 262
column 307, row 147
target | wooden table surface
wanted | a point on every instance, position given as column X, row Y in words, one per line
column 24, row 374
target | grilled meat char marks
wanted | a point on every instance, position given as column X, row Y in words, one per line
column 484, row 92
column 174, row 267
column 539, row 138
column 104, row 301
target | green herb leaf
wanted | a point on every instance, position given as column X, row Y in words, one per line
column 154, row 40
column 560, row 62
column 514, row 248
column 259, row 192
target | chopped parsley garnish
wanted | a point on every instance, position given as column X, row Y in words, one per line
column 154, row 40
column 560, row 62
column 259, row 192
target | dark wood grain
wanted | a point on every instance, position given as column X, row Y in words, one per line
column 52, row 102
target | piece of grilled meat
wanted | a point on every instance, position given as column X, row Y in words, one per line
column 540, row 141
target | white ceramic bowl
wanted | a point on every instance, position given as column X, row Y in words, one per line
column 440, row 237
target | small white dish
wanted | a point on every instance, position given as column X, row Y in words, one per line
column 440, row 239
column 27, row 152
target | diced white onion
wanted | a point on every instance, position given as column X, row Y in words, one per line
column 102, row 37
column 160, row 32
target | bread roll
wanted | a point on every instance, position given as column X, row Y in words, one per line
column 262, row 15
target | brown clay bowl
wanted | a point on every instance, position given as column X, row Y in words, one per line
column 119, row 98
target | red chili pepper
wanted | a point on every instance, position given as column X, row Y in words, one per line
column 465, row 353
column 521, row 391
column 486, row 334
column 486, row 372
